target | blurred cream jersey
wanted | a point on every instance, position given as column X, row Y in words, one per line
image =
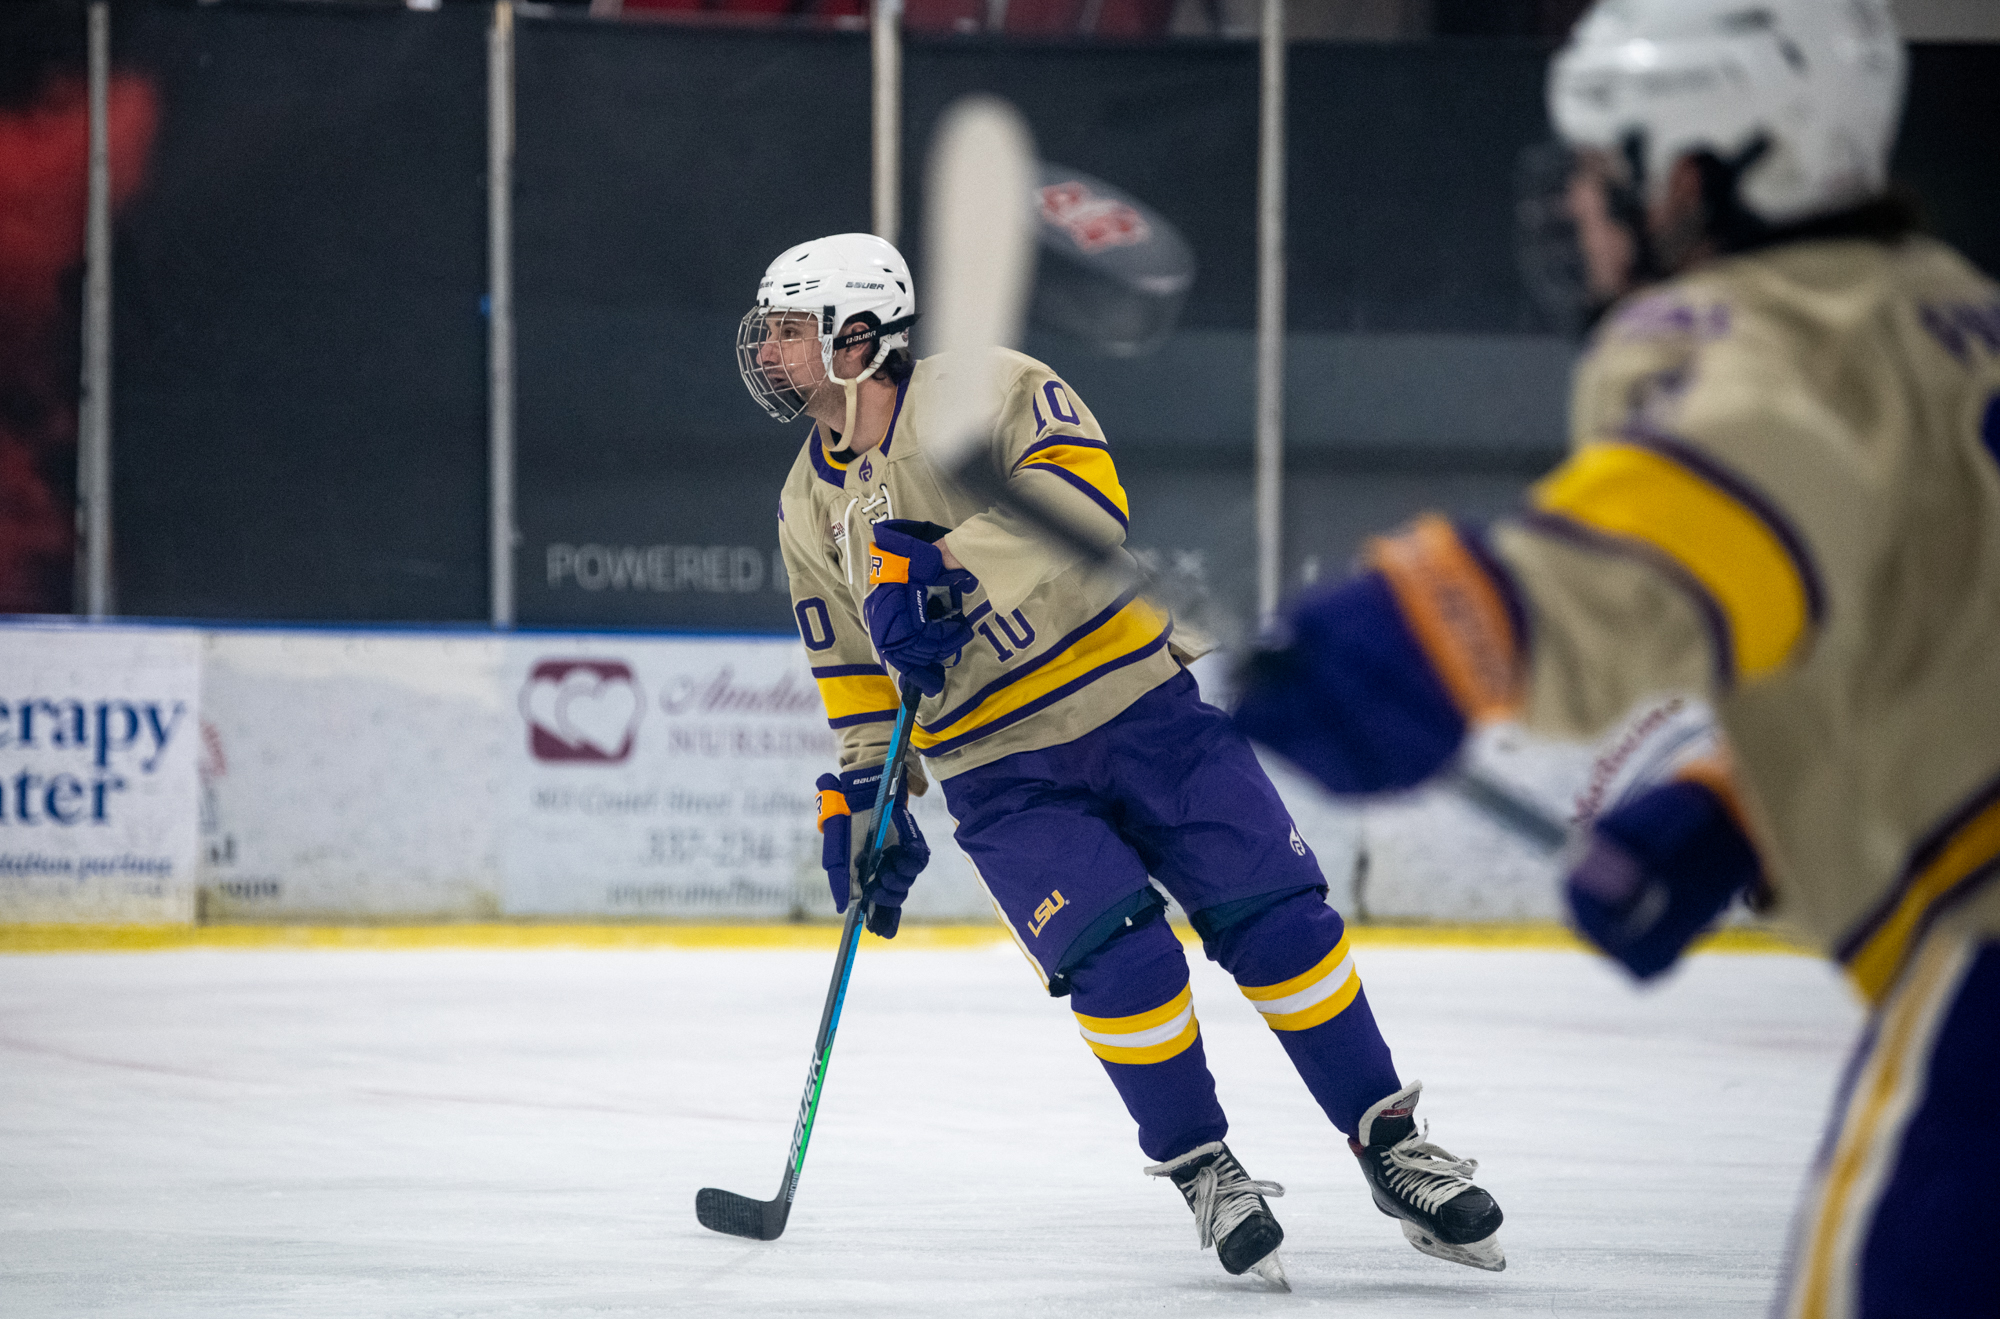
column 1784, row 493
column 1059, row 647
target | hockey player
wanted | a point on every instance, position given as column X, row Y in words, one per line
column 1783, row 496
column 1074, row 750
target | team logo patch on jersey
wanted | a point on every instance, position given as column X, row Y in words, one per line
column 867, row 470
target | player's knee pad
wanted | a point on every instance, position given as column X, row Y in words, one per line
column 1132, row 999
column 1291, row 959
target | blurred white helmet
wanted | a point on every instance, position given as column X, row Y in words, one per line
column 832, row 280
column 1803, row 95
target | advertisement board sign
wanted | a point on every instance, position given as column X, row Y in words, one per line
column 98, row 734
column 654, row 777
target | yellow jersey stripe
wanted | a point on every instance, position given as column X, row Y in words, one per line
column 1135, row 627
column 1304, row 980
column 1091, row 463
column 856, row 694
column 1139, row 1021
column 1969, row 849
column 1323, row 1011
column 1731, row 548
column 1152, row 1053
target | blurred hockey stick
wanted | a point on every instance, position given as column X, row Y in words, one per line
column 979, row 260
column 764, row 1220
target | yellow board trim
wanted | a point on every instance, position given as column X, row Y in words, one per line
column 1323, row 1011
column 1158, row 1016
column 1092, row 464
column 1305, row 979
column 1136, row 625
column 1638, row 494
column 864, row 693
column 1976, row 843
column 73, row 938
column 1152, row 1053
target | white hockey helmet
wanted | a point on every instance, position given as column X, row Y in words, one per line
column 1803, row 95
column 833, row 280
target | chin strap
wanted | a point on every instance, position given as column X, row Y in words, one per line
column 847, row 431
column 862, row 336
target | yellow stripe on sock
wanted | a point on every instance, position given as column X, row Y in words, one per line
column 1305, row 979
column 1138, row 1021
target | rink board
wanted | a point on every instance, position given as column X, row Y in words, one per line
column 342, row 775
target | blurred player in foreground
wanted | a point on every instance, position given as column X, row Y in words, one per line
column 1074, row 750
column 1784, row 496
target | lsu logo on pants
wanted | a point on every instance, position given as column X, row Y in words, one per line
column 1046, row 912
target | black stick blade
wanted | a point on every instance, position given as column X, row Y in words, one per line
column 739, row 1215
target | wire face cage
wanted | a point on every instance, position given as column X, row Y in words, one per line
column 773, row 347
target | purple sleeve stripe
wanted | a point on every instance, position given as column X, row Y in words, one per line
column 1713, row 472
column 851, row 671
column 1474, row 540
column 866, row 717
column 1561, row 528
column 1050, row 698
column 1087, row 488
column 971, row 703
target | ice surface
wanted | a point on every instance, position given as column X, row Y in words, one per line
column 521, row 1133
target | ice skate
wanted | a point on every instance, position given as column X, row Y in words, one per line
column 1431, row 1192
column 1229, row 1210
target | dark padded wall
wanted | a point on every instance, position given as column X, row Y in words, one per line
column 659, row 170
column 300, row 421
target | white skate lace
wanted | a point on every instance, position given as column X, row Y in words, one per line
column 1425, row 1175
column 1221, row 1202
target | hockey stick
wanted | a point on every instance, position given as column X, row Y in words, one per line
column 764, row 1220
column 979, row 259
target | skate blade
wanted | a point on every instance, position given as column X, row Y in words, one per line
column 1482, row 1254
column 1271, row 1271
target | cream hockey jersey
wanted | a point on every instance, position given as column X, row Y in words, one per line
column 1059, row 646
column 1784, row 492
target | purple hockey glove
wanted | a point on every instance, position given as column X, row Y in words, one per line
column 1660, row 868
column 914, row 633
column 1352, row 700
column 846, row 816
column 1382, row 675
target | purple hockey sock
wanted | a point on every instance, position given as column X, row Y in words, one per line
column 1291, row 960
column 1136, row 1012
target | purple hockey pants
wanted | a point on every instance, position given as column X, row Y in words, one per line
column 1065, row 839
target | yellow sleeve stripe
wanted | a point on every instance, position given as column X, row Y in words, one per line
column 1139, row 1021
column 1091, row 467
column 1134, row 628
column 859, row 694
column 1968, row 855
column 1707, row 523
column 1302, row 981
